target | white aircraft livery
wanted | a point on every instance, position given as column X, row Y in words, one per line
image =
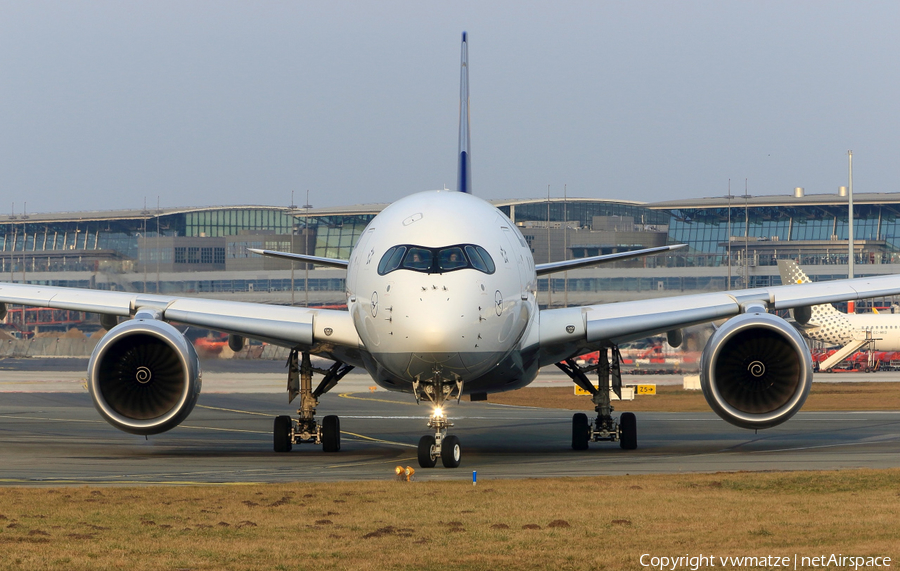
column 441, row 304
column 852, row 331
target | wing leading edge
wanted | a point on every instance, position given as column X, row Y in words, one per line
column 330, row 262
column 285, row 326
column 563, row 265
column 563, row 331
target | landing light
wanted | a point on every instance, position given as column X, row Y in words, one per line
column 438, row 411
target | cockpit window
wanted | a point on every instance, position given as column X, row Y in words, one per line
column 436, row 260
column 391, row 259
column 451, row 259
column 480, row 259
column 418, row 259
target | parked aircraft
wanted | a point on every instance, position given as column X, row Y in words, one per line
column 442, row 303
column 852, row 331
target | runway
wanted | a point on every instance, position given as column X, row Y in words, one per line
column 57, row 438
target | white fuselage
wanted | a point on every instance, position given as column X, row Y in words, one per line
column 433, row 305
column 843, row 328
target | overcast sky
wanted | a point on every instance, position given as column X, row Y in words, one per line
column 106, row 104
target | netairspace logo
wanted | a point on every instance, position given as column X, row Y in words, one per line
column 696, row 562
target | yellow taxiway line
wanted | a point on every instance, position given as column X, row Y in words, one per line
column 369, row 438
column 350, row 396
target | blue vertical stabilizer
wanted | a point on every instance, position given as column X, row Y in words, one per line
column 464, row 172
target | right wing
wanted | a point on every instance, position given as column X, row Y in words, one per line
column 574, row 264
column 325, row 330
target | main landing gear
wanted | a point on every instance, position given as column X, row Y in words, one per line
column 446, row 447
column 305, row 429
column 604, row 427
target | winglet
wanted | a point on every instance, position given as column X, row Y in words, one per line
column 464, row 172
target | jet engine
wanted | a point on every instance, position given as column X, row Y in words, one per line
column 756, row 371
column 144, row 377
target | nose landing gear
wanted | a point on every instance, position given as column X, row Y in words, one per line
column 305, row 429
column 441, row 445
column 604, row 427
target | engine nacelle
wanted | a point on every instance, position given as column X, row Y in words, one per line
column 756, row 371
column 144, row 377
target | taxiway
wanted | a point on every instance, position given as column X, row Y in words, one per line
column 48, row 437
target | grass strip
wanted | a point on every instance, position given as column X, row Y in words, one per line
column 822, row 397
column 578, row 523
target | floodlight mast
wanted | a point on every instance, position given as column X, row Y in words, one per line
column 850, row 216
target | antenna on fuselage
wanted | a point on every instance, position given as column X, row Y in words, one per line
column 464, row 173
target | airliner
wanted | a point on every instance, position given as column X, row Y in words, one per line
column 442, row 303
column 852, row 331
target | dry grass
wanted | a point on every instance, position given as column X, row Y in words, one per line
column 822, row 397
column 584, row 523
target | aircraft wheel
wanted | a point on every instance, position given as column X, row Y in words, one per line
column 628, row 426
column 331, row 433
column 450, row 452
column 426, row 460
column 580, row 432
column 282, row 434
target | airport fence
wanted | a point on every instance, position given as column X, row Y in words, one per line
column 48, row 347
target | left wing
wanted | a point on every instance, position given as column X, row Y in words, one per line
column 563, row 332
column 330, row 262
column 562, row 265
column 285, row 326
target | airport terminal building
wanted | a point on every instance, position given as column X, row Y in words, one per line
column 203, row 250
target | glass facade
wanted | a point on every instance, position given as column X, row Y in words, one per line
column 115, row 235
column 336, row 235
column 582, row 211
column 229, row 222
column 790, row 229
column 78, row 244
column 816, row 234
column 248, row 285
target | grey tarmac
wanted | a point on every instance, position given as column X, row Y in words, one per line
column 57, row 438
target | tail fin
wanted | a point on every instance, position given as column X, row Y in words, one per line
column 792, row 274
column 464, row 173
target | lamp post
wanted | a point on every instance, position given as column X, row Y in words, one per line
column 746, row 198
column 306, row 206
column 549, row 276
column 144, row 214
column 293, row 233
column 565, row 244
column 157, row 245
column 12, row 262
column 24, row 242
column 729, row 197
column 850, row 215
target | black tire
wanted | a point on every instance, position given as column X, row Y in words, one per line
column 451, row 453
column 628, row 428
column 580, row 432
column 331, row 433
column 282, row 434
column 426, row 460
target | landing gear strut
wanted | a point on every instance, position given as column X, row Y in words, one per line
column 437, row 390
column 604, row 427
column 305, row 429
